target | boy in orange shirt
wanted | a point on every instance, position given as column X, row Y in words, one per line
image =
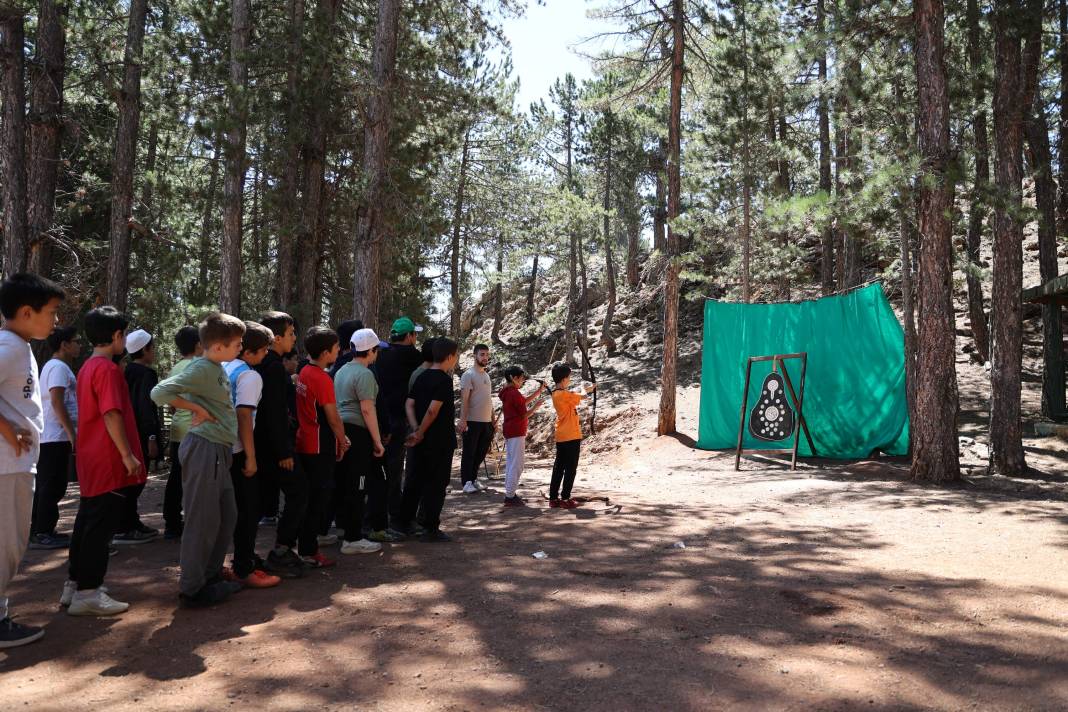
column 568, row 437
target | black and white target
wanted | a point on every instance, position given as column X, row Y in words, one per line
column 772, row 419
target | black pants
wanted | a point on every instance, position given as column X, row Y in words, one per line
column 94, row 526
column 51, row 484
column 353, row 476
column 294, row 485
column 247, row 498
column 129, row 518
column 172, row 495
column 395, row 473
column 424, row 489
column 268, row 496
column 477, row 439
column 564, row 468
column 319, row 471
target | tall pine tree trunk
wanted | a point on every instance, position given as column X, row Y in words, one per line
column 122, row 167
column 746, row 236
column 46, row 129
column 669, row 371
column 660, row 208
column 1006, row 444
column 13, row 144
column 1062, row 133
column 285, row 285
column 206, row 224
column 1040, row 159
column 532, row 289
column 234, row 178
column 609, row 259
column 934, row 429
column 976, row 312
column 498, row 297
column 455, row 278
column 634, row 233
column 827, row 258
column 852, row 233
column 371, row 229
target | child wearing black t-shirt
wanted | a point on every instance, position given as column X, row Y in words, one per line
column 431, row 413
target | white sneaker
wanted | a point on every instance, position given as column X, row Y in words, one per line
column 481, row 487
column 69, row 589
column 363, row 546
column 470, row 488
column 326, row 539
column 97, row 603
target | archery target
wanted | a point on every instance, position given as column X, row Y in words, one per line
column 772, row 418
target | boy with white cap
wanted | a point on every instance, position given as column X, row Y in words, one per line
column 356, row 390
column 141, row 378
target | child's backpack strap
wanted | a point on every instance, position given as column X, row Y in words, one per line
column 238, row 370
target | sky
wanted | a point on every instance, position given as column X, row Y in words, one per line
column 542, row 42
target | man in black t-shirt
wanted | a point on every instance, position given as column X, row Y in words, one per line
column 431, row 414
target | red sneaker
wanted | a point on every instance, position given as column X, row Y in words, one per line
column 261, row 579
column 319, row 561
column 568, row 504
column 555, row 504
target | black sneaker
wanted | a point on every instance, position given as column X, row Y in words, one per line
column 210, row 595
column 145, row 529
column 516, row 501
column 172, row 534
column 287, row 565
column 13, row 634
column 49, row 541
column 133, row 537
column 268, row 521
column 434, row 536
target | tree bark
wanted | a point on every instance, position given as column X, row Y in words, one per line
column 498, row 296
column 370, row 226
column 660, row 208
column 207, row 218
column 234, row 177
column 13, row 128
column 455, row 301
column 976, row 312
column 852, row 232
column 634, row 233
column 606, row 220
column 827, row 258
column 122, row 169
column 285, row 285
column 668, row 374
column 1062, row 133
column 1006, row 444
column 934, row 430
column 532, row 290
column 747, row 247
column 1040, row 159
column 46, row 129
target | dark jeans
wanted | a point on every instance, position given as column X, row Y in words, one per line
column 424, row 489
column 53, row 468
column 247, row 498
column 395, row 473
column 294, row 485
column 354, row 474
column 268, row 495
column 172, row 495
column 129, row 518
column 94, row 526
column 564, row 468
column 477, row 439
column 319, row 470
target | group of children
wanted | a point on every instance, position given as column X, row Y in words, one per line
column 361, row 437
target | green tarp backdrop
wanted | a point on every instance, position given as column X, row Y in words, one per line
column 855, row 387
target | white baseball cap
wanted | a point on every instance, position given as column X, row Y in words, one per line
column 137, row 340
column 364, row 340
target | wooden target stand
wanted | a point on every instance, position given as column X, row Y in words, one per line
column 778, row 364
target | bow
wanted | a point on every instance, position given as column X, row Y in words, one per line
column 580, row 342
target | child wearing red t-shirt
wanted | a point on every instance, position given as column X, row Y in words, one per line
column 321, row 440
column 516, row 410
column 109, row 464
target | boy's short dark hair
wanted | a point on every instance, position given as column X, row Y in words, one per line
column 560, row 372
column 346, row 329
column 102, row 323
column 61, row 335
column 277, row 322
column 220, row 328
column 23, row 289
column 256, row 337
column 186, row 339
column 427, row 352
column 319, row 339
column 513, row 371
column 443, row 348
column 480, row 347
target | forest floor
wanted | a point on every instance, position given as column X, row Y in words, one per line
column 835, row 587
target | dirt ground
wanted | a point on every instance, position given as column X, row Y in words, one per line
column 838, row 587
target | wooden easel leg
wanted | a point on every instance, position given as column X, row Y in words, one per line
column 798, row 403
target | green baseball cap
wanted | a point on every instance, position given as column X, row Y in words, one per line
column 404, row 325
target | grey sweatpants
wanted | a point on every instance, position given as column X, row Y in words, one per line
column 210, row 510
column 16, row 504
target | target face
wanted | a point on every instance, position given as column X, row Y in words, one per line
column 772, row 419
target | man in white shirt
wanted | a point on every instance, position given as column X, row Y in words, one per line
column 59, row 404
column 476, row 419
